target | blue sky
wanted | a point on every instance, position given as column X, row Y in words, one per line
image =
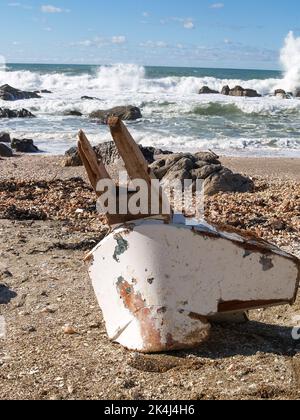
column 229, row 33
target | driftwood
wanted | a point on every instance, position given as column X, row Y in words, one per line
column 135, row 164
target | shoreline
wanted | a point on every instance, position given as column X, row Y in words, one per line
column 20, row 167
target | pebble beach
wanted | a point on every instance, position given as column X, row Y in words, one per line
column 56, row 345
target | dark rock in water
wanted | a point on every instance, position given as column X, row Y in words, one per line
column 225, row 90
column 239, row 91
column 12, row 113
column 201, row 166
column 24, row 146
column 5, row 138
column 251, row 93
column 8, row 93
column 90, row 98
column 206, row 91
column 73, row 114
column 42, row 91
column 126, row 113
column 297, row 95
column 280, row 93
column 5, row 151
column 109, row 154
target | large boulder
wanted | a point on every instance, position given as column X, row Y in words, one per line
column 5, row 137
column 226, row 181
column 280, row 93
column 13, row 113
column 225, row 90
column 24, row 146
column 126, row 113
column 8, row 93
column 297, row 95
column 240, row 92
column 203, row 166
column 109, row 154
column 207, row 91
column 5, row 151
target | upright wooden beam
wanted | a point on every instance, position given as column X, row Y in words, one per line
column 135, row 163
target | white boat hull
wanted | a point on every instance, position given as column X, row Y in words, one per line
column 158, row 284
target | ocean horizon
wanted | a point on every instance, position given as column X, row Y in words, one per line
column 175, row 116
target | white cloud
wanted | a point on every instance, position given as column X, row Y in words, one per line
column 217, row 6
column 48, row 8
column 99, row 42
column 189, row 24
column 121, row 39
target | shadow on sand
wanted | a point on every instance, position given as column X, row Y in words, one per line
column 6, row 295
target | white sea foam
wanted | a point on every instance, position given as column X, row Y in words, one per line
column 290, row 59
column 125, row 78
column 175, row 116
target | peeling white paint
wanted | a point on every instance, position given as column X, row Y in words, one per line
column 157, row 283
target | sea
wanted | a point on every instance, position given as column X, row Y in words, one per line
column 175, row 116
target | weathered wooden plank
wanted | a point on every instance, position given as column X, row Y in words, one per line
column 135, row 163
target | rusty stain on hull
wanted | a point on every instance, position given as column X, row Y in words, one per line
column 160, row 288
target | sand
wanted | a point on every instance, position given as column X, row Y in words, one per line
column 45, row 287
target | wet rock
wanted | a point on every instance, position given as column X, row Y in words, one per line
column 225, row 90
column 206, row 91
column 126, row 113
column 5, row 151
column 42, row 91
column 239, row 91
column 8, row 93
column 297, row 95
column 73, row 114
column 89, row 98
column 280, row 93
column 5, row 137
column 13, row 113
column 24, row 146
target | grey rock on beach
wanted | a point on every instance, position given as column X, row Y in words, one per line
column 201, row 166
column 24, row 146
column 126, row 113
column 8, row 93
column 5, row 151
column 5, row 137
column 168, row 166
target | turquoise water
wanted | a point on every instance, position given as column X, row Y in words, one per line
column 175, row 116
